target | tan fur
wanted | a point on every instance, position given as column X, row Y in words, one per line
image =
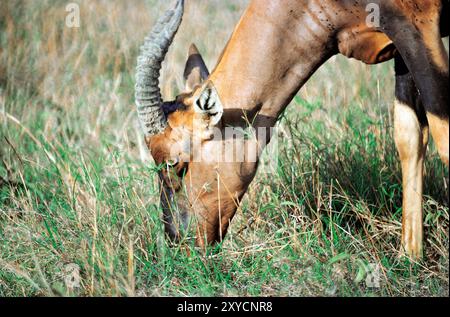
column 425, row 16
column 257, row 76
column 411, row 140
column 366, row 45
column 440, row 132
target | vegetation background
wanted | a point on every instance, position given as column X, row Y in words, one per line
column 78, row 188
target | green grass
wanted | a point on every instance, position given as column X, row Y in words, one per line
column 77, row 185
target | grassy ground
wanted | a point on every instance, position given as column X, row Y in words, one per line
column 77, row 186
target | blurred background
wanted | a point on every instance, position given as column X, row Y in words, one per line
column 77, row 186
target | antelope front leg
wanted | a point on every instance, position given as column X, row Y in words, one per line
column 440, row 131
column 411, row 139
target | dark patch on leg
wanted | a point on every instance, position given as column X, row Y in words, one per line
column 431, row 81
column 406, row 91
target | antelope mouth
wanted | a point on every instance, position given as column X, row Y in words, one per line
column 175, row 211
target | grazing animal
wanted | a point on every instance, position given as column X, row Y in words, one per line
column 273, row 51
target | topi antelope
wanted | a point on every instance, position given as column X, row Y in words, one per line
column 275, row 48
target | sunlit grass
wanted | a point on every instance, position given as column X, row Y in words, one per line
column 77, row 184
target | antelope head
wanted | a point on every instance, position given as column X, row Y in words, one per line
column 171, row 127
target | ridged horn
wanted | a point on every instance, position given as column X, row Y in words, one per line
column 153, row 51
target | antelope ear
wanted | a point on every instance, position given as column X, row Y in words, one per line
column 208, row 101
column 195, row 71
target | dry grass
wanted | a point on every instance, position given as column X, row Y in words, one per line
column 77, row 186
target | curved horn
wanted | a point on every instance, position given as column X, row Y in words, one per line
column 147, row 93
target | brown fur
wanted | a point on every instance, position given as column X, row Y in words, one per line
column 258, row 74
